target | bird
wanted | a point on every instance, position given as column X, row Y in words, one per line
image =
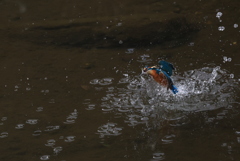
column 162, row 74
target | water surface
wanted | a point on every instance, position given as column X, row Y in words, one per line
column 71, row 89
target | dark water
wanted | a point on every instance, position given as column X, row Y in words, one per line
column 70, row 85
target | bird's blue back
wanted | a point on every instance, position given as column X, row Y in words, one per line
column 167, row 67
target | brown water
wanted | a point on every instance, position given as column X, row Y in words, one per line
column 70, row 87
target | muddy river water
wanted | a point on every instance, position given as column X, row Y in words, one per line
column 70, row 87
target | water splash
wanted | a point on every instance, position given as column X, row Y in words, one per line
column 142, row 98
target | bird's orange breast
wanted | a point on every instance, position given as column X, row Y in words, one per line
column 160, row 78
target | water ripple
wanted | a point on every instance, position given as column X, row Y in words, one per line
column 109, row 129
column 19, row 126
column 72, row 117
column 104, row 81
column 4, row 135
column 69, row 138
column 57, row 150
column 32, row 121
column 52, row 128
column 50, row 142
column 39, row 109
column 45, row 157
column 158, row 156
column 37, row 133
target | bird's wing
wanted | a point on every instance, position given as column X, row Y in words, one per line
column 170, row 83
column 167, row 67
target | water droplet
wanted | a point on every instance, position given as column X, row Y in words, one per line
column 130, row 51
column 94, row 81
column 235, row 25
column 72, row 117
column 221, row 28
column 57, row 150
column 37, row 133
column 45, row 157
column 50, row 142
column 45, row 91
column 90, row 107
column 231, row 75
column 4, row 135
column 51, row 101
column 226, row 59
column 32, row 121
column 39, row 109
column 224, row 144
column 145, row 58
column 69, row 139
column 106, row 81
column 19, row 126
column 238, row 139
column 4, row 118
column 158, row 156
column 52, row 128
column 144, row 118
column 120, row 42
column 191, row 44
column 219, row 15
column 119, row 24
column 61, row 137
column 109, row 129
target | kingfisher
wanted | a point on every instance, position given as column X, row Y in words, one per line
column 162, row 74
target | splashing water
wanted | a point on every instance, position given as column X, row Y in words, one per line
column 202, row 89
column 199, row 90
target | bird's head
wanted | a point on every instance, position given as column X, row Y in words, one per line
column 148, row 68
